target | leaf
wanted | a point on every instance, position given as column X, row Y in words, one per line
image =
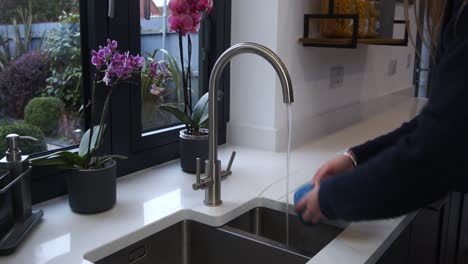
column 107, row 158
column 63, row 160
column 204, row 119
column 48, row 162
column 84, row 144
column 200, row 110
column 204, row 124
column 177, row 113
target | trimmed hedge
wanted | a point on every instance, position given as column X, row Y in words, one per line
column 44, row 112
column 23, row 129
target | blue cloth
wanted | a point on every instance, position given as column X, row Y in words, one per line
column 298, row 195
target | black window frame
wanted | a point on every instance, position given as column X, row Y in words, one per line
column 125, row 135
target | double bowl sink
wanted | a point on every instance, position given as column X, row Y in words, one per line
column 258, row 236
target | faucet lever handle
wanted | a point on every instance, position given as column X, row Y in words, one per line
column 198, row 184
column 228, row 171
column 231, row 160
column 198, row 170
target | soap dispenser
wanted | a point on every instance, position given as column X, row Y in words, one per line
column 16, row 215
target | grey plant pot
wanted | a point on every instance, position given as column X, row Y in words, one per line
column 191, row 148
column 93, row 191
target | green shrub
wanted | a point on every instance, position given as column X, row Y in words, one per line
column 63, row 45
column 4, row 122
column 23, row 129
column 44, row 112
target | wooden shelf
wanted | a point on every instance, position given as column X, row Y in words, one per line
column 348, row 41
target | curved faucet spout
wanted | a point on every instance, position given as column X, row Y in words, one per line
column 213, row 165
column 221, row 63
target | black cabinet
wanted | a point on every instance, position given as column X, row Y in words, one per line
column 462, row 252
column 398, row 251
column 435, row 236
column 426, row 232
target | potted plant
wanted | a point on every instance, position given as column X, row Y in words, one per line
column 185, row 18
column 92, row 177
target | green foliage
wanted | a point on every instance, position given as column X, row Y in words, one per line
column 45, row 113
column 179, row 114
column 174, row 76
column 80, row 160
column 63, row 46
column 22, row 41
column 5, row 54
column 43, row 10
column 199, row 115
column 4, row 122
column 87, row 147
column 23, row 129
column 200, row 111
column 72, row 161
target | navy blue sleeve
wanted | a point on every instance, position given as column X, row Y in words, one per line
column 423, row 165
column 373, row 147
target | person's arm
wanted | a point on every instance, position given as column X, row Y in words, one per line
column 424, row 165
column 360, row 154
column 401, row 179
column 369, row 149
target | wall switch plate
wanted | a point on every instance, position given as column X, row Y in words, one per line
column 392, row 68
column 336, row 77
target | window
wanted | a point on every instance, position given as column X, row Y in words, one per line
column 154, row 34
column 144, row 133
column 136, row 127
column 40, row 73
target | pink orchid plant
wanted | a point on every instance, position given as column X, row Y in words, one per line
column 185, row 19
column 156, row 74
column 187, row 14
column 112, row 67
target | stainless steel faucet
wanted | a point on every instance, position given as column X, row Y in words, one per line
column 212, row 182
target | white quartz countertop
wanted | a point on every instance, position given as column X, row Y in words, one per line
column 153, row 199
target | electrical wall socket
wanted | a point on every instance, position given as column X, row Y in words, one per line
column 392, row 68
column 336, row 77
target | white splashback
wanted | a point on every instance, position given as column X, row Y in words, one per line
column 258, row 116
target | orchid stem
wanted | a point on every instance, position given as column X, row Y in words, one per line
column 189, row 73
column 91, row 131
column 100, row 135
column 184, row 83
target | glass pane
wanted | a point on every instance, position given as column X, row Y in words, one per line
column 155, row 35
column 40, row 73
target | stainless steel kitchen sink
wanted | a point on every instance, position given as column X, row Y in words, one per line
column 271, row 224
column 257, row 236
column 189, row 242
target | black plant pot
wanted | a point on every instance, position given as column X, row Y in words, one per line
column 191, row 148
column 93, row 191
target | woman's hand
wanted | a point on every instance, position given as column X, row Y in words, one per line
column 335, row 166
column 309, row 207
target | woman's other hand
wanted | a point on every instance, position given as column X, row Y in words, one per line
column 340, row 164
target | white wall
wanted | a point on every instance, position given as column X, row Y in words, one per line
column 258, row 116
